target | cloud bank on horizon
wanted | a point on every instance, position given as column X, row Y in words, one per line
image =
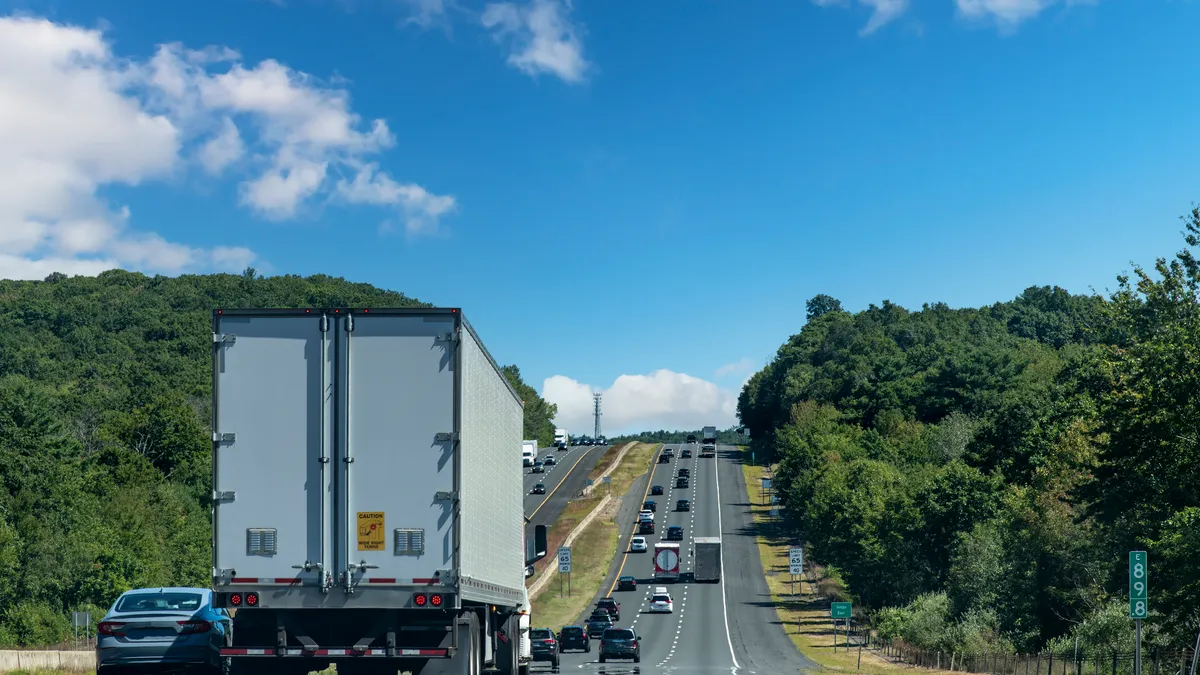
column 663, row 399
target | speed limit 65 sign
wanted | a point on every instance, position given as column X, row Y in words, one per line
column 1139, row 585
column 564, row 560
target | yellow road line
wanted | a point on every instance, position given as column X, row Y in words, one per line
column 649, row 483
column 564, row 479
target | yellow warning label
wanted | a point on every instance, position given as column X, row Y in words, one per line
column 370, row 531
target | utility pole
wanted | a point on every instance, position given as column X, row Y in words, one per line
column 596, row 397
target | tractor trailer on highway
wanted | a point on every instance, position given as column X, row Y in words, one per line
column 367, row 501
column 561, row 439
column 708, row 442
column 707, row 565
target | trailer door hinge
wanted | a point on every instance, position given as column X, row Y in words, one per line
column 224, row 438
column 445, row 436
column 224, row 496
column 224, row 338
column 443, row 495
column 446, row 337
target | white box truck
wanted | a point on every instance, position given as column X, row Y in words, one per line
column 707, row 565
column 708, row 442
column 367, row 502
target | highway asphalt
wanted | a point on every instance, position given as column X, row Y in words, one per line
column 727, row 627
column 563, row 481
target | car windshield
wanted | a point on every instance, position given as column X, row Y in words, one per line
column 160, row 602
column 661, row 598
column 618, row 634
column 541, row 634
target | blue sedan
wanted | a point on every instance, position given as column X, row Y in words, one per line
column 165, row 628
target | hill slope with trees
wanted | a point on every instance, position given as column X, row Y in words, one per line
column 105, row 387
column 977, row 477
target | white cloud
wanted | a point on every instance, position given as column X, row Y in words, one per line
column 77, row 117
column 420, row 208
column 426, row 13
column 882, row 11
column 541, row 37
column 661, row 400
column 739, row 367
column 1009, row 13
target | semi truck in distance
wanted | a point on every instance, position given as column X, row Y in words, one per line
column 708, row 442
column 367, row 502
column 707, row 566
column 528, row 452
column 666, row 561
column 561, row 439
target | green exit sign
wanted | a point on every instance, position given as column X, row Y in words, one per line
column 1139, row 585
column 840, row 610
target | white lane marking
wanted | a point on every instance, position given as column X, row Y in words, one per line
column 724, row 605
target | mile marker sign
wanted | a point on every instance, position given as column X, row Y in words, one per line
column 1139, row 585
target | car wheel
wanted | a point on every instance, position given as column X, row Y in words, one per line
column 601, row 658
column 637, row 658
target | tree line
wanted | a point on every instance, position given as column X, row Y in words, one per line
column 728, row 436
column 105, row 428
column 977, row 477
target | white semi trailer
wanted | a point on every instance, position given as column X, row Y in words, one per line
column 367, row 496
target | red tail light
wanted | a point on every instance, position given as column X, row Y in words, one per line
column 251, row 599
column 110, row 628
column 435, row 600
column 235, row 599
column 635, row 643
column 420, row 599
column 189, row 627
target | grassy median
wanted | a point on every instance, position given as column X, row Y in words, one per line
column 805, row 616
column 593, row 550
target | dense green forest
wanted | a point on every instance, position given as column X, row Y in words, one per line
column 977, row 477
column 728, row 436
column 104, row 432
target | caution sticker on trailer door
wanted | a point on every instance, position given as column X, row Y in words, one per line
column 370, row 531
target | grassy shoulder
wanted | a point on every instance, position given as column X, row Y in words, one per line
column 805, row 616
column 593, row 550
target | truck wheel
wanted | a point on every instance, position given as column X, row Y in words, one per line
column 601, row 658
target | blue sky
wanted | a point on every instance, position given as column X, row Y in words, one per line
column 607, row 188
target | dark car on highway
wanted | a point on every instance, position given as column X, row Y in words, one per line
column 611, row 606
column 574, row 637
column 646, row 527
column 683, row 505
column 663, row 458
column 597, row 623
column 538, row 467
column 538, row 489
column 685, row 453
column 544, row 646
column 620, row 643
column 627, row 583
column 650, row 505
column 681, row 482
column 685, row 473
column 691, row 438
column 656, row 489
column 675, row 533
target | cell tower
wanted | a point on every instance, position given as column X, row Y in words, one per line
column 596, row 397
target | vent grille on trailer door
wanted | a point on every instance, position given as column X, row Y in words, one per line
column 410, row 541
column 260, row 541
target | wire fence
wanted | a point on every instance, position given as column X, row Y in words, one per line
column 1154, row 661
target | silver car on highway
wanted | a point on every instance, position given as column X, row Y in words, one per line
column 167, row 629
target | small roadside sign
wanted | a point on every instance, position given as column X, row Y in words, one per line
column 766, row 483
column 606, row 480
column 839, row 610
column 1139, row 585
column 81, row 619
column 564, row 560
column 796, row 561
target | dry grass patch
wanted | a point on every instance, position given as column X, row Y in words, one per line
column 593, row 550
column 805, row 616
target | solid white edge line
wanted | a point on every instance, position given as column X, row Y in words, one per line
column 720, row 523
